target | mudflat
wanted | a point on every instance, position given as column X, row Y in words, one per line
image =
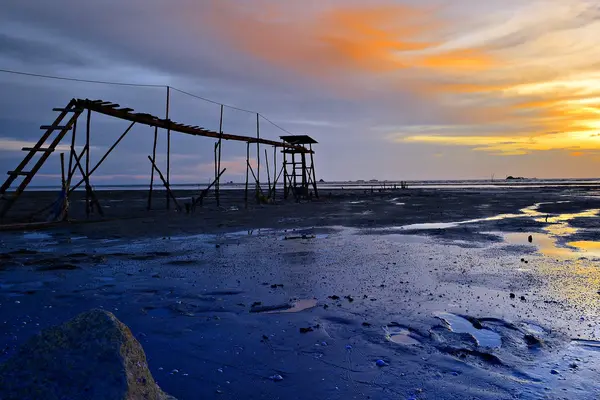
column 418, row 293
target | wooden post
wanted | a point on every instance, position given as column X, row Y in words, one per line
column 218, row 165
column 216, row 172
column 268, row 174
column 205, row 191
column 312, row 166
column 164, row 181
column 63, row 181
column 87, row 163
column 70, row 175
column 257, row 159
column 285, row 175
column 152, row 173
column 274, row 170
column 168, row 147
column 104, row 156
column 247, row 166
column 304, row 183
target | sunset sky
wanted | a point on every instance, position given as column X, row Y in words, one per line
column 405, row 89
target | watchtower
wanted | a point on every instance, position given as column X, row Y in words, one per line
column 298, row 176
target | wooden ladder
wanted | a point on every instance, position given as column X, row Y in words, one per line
column 7, row 200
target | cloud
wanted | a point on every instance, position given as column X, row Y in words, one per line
column 342, row 39
column 16, row 145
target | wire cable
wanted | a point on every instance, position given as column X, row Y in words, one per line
column 63, row 78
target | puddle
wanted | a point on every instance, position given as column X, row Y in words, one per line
column 430, row 225
column 400, row 336
column 159, row 312
column 105, row 278
column 484, row 337
column 36, row 236
column 294, row 307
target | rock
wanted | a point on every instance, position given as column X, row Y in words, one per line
column 306, row 330
column 94, row 356
column 532, row 341
column 530, row 239
column 380, row 363
column 512, row 295
column 276, row 377
column 334, row 297
column 523, row 298
column 554, row 372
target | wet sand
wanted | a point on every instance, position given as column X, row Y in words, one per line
column 442, row 286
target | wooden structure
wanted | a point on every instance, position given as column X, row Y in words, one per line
column 66, row 122
column 298, row 176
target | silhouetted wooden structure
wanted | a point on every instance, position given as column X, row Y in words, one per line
column 67, row 122
column 298, row 175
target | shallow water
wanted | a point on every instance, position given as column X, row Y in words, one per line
column 484, row 337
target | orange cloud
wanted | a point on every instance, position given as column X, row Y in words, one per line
column 342, row 39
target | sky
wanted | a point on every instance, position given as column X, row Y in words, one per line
column 391, row 89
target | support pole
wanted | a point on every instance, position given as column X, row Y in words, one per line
column 87, row 164
column 91, row 194
column 205, row 191
column 104, row 156
column 247, row 166
column 63, row 181
column 285, row 175
column 304, row 183
column 274, row 170
column 218, row 161
column 168, row 146
column 257, row 159
column 71, row 154
column 268, row 175
column 152, row 173
column 312, row 166
column 162, row 178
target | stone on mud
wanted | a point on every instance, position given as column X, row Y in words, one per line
column 93, row 356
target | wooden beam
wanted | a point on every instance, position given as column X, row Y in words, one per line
column 147, row 119
column 162, row 178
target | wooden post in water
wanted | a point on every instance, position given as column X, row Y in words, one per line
column 168, row 147
column 152, row 173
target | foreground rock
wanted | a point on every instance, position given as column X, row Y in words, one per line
column 93, row 356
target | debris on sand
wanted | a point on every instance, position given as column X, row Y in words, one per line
column 258, row 308
column 349, row 298
column 381, row 363
column 276, row 377
column 58, row 267
column 92, row 356
column 532, row 341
